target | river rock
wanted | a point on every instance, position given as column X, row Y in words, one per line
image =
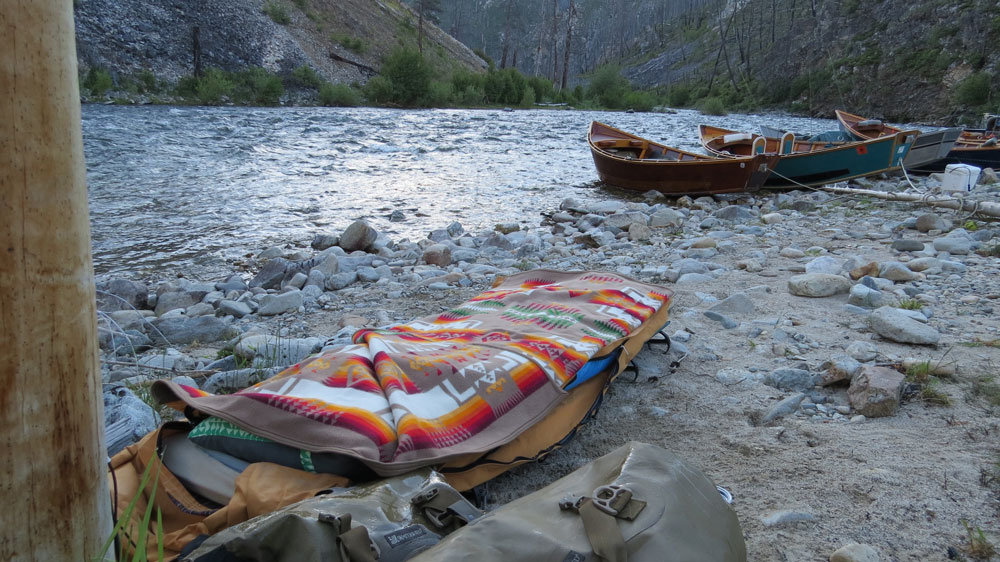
column 893, row 324
column 666, row 217
column 870, row 269
column 321, row 242
column 639, row 232
column 863, row 351
column 174, row 300
column 855, row 552
column 234, row 308
column 876, row 391
column 825, row 264
column 181, row 330
column 271, row 274
column 734, row 213
column 896, row 271
column 953, row 245
column 838, row 368
column 818, row 285
column 359, row 236
column 737, row 303
column 792, row 253
column 930, row 221
column 126, row 418
column 625, row 219
column 276, row 350
column 907, row 245
column 121, row 294
column 791, row 379
column 923, row 264
column 272, row 305
column 130, row 342
column 862, row 295
column 783, row 408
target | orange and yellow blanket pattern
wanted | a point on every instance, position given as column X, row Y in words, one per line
column 464, row 381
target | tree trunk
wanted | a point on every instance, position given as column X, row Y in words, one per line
column 566, row 48
column 420, row 30
column 54, row 491
column 555, row 39
column 197, row 51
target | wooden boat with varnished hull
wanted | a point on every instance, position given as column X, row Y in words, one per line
column 929, row 151
column 631, row 162
column 810, row 163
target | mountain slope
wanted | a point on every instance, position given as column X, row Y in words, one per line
column 344, row 40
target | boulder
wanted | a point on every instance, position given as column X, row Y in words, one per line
column 818, row 285
column 358, row 236
column 895, row 325
column 121, row 294
column 876, row 391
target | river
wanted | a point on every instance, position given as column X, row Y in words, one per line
column 191, row 189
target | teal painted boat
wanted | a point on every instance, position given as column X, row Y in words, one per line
column 808, row 162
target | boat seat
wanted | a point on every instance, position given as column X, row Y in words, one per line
column 869, row 125
column 736, row 137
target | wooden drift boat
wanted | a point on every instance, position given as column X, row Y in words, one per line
column 812, row 162
column 630, row 162
column 927, row 152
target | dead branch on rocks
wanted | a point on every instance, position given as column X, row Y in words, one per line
column 979, row 209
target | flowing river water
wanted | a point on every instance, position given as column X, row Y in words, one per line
column 191, row 189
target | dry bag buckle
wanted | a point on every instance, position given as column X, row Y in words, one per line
column 611, row 498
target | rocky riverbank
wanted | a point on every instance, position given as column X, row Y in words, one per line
column 833, row 360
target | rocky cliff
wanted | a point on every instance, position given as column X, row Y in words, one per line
column 343, row 40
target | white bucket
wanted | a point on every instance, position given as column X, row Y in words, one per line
column 959, row 177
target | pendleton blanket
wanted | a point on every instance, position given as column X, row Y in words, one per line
column 465, row 381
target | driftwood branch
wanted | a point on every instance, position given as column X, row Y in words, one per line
column 980, row 209
column 358, row 65
column 201, row 373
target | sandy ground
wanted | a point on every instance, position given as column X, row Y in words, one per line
column 907, row 485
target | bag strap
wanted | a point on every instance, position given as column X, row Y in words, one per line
column 600, row 514
column 445, row 507
column 354, row 543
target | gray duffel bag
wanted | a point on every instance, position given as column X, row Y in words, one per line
column 639, row 502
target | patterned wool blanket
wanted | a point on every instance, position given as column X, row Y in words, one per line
column 465, row 381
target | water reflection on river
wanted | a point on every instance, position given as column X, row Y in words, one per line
column 190, row 189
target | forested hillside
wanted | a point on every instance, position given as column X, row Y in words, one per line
column 897, row 59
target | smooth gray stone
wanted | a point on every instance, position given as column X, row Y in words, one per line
column 341, row 280
column 727, row 322
column 799, row 380
column 231, row 381
column 785, row 407
column 818, row 285
column 896, row 271
column 126, row 418
column 121, row 294
column 321, row 242
column 734, row 213
column 276, row 349
column 272, row 305
column 893, row 324
column 359, row 236
column 174, row 300
column 234, row 308
column 953, row 245
column 694, row 278
column 182, row 330
column 907, row 245
column 825, row 264
column 737, row 303
column 271, row 274
column 863, row 295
